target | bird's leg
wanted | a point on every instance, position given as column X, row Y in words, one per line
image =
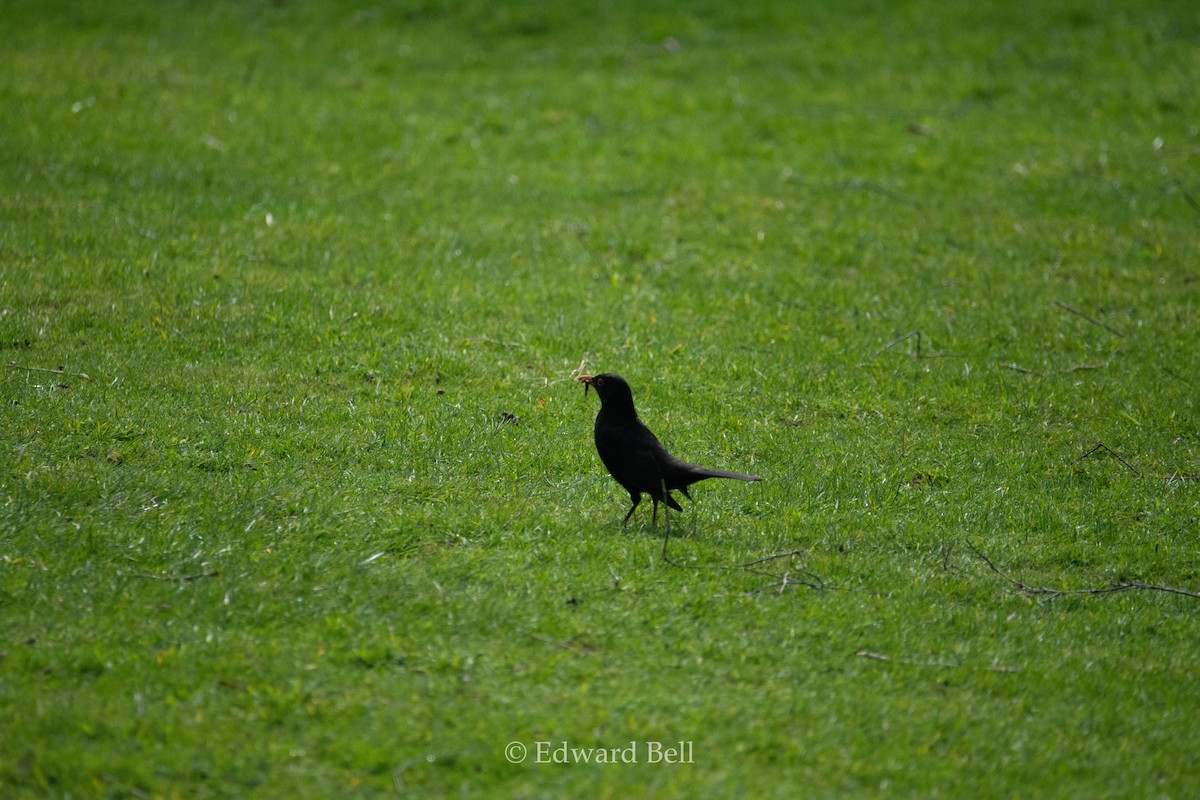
column 666, row 523
column 637, row 498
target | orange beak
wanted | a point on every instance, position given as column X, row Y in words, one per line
column 587, row 383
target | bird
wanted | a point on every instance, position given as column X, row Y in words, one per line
column 634, row 456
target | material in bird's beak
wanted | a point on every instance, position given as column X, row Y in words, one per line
column 587, row 383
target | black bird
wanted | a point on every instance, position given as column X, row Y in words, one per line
column 634, row 456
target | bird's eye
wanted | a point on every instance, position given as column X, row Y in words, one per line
column 598, row 382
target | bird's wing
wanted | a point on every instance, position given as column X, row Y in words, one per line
column 633, row 455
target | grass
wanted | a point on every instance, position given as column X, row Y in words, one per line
column 308, row 505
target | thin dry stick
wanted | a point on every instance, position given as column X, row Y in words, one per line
column 1082, row 315
column 788, row 577
column 765, row 559
column 1015, row 367
column 873, row 187
column 900, row 339
column 565, row 645
column 747, row 565
column 857, row 184
column 917, row 354
column 782, row 580
column 51, row 370
column 947, row 551
column 1052, row 593
column 1102, row 446
column 786, row 580
column 1176, row 375
column 875, row 655
column 182, row 578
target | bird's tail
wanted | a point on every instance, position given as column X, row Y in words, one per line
column 701, row 473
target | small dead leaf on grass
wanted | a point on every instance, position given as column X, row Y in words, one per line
column 926, row 480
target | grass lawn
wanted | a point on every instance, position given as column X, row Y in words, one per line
column 298, row 496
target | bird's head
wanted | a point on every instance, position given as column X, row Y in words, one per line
column 611, row 388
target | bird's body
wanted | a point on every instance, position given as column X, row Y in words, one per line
column 634, row 456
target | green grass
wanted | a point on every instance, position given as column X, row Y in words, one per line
column 312, row 508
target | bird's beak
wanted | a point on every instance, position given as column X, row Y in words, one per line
column 587, row 383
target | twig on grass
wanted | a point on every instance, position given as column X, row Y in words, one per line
column 780, row 581
column 585, row 650
column 916, row 355
column 777, row 556
column 179, row 578
column 870, row 186
column 1176, row 375
column 900, row 339
column 1082, row 315
column 1015, row 367
column 875, row 655
column 947, row 552
column 52, row 370
column 783, row 580
column 1102, row 446
column 1052, row 593
column 852, row 184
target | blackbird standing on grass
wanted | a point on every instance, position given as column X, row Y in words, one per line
column 634, row 456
